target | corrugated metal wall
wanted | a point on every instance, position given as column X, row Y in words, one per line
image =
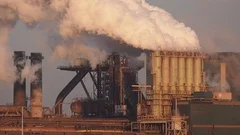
column 221, row 118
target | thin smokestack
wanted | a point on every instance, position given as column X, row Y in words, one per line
column 19, row 94
column 223, row 76
column 36, row 86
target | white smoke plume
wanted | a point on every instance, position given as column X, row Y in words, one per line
column 7, row 71
column 29, row 72
column 75, row 51
column 29, row 11
column 134, row 22
column 214, row 83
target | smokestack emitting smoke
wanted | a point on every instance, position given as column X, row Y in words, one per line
column 29, row 72
column 36, row 86
column 19, row 93
column 133, row 22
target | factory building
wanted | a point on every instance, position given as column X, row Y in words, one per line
column 178, row 98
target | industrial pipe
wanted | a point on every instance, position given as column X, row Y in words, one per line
column 165, row 72
column 189, row 73
column 67, row 90
column 173, row 73
column 19, row 88
column 223, row 77
column 149, row 78
column 181, row 73
column 156, row 64
column 197, row 72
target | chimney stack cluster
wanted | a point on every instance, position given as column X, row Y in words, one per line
column 20, row 59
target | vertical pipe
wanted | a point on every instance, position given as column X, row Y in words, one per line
column 149, row 78
column 165, row 72
column 173, row 73
column 156, row 64
column 181, row 73
column 223, row 77
column 158, row 82
column 189, row 73
column 36, row 86
column 99, row 85
column 197, row 72
column 166, row 105
column 19, row 94
column 121, row 85
column 22, row 121
column 153, row 72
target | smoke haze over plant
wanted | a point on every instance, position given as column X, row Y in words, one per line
column 134, row 23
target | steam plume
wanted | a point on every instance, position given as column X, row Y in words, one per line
column 75, row 51
column 29, row 72
column 132, row 22
column 7, row 70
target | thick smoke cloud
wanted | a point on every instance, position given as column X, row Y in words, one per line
column 29, row 72
column 134, row 22
column 74, row 51
column 29, row 11
column 6, row 65
column 122, row 23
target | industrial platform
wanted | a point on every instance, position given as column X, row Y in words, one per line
column 177, row 99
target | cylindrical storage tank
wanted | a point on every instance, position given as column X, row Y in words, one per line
column 181, row 73
column 165, row 72
column 36, row 86
column 189, row 73
column 166, row 104
column 19, row 88
column 76, row 107
column 173, row 73
column 149, row 78
column 156, row 63
column 197, row 72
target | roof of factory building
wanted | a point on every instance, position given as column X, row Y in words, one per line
column 214, row 102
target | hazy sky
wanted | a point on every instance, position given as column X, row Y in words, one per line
column 216, row 22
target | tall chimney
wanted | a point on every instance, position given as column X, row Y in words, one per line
column 36, row 86
column 223, row 77
column 19, row 88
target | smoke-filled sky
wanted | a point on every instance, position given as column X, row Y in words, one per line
column 216, row 23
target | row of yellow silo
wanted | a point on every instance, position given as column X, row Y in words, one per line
column 177, row 72
column 173, row 73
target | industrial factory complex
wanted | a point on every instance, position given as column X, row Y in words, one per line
column 176, row 100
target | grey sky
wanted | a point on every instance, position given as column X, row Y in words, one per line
column 216, row 22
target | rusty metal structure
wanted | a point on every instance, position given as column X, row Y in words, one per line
column 112, row 82
column 175, row 101
column 175, row 75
